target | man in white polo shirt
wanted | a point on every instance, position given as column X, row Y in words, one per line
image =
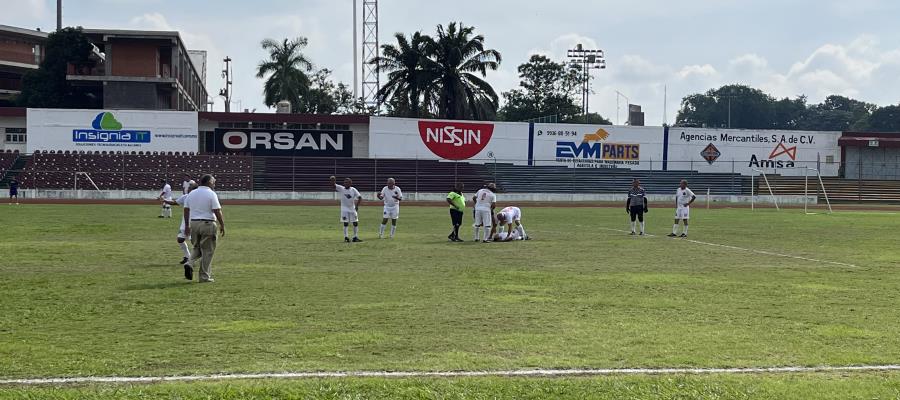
column 392, row 196
column 200, row 207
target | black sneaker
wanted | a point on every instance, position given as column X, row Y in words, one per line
column 184, row 260
column 671, row 235
column 642, row 234
column 188, row 272
column 456, row 239
column 357, row 240
column 346, row 239
column 684, row 235
column 632, row 233
column 160, row 216
column 450, row 237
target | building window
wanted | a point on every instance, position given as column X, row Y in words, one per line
column 15, row 135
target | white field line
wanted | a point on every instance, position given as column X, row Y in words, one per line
column 451, row 374
column 768, row 253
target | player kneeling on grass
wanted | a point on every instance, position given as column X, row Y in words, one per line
column 350, row 199
column 391, row 195
column 485, row 202
column 683, row 199
column 506, row 218
column 636, row 205
column 181, row 238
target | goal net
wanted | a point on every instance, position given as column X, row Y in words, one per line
column 803, row 186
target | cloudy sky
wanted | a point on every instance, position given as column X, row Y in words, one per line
column 786, row 47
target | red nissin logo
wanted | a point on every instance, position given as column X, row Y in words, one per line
column 455, row 140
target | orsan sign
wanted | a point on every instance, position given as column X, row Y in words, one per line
column 282, row 142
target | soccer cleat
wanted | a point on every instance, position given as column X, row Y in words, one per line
column 188, row 272
column 458, row 240
column 184, row 260
column 381, row 236
column 642, row 233
column 632, row 233
column 209, row 280
column 684, row 235
column 346, row 239
column 160, row 216
column 356, row 240
column 671, row 235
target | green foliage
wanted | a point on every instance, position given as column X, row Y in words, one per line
column 47, row 86
column 439, row 76
column 884, row 119
column 548, row 88
column 287, row 69
column 753, row 109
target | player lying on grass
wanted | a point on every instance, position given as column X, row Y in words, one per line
column 181, row 238
column 391, row 195
column 506, row 237
column 350, row 199
column 506, row 218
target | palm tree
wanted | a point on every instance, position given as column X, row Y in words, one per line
column 455, row 60
column 287, row 68
column 405, row 76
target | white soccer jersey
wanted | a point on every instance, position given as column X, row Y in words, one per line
column 483, row 199
column 389, row 194
column 185, row 186
column 167, row 191
column 348, row 197
column 683, row 196
column 511, row 214
column 503, row 235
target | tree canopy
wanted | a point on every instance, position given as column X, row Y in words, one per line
column 47, row 86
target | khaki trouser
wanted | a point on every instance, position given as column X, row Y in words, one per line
column 203, row 237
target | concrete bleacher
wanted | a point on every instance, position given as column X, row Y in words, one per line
column 138, row 171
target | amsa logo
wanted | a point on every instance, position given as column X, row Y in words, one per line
column 455, row 140
column 106, row 129
column 593, row 147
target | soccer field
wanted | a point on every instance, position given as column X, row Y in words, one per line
column 96, row 290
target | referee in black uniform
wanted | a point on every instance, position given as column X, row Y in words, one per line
column 636, row 205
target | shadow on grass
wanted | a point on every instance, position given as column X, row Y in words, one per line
column 158, row 285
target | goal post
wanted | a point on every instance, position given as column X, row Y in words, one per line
column 821, row 186
column 768, row 186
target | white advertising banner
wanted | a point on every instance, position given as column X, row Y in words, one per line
column 111, row 130
column 474, row 141
column 746, row 151
column 598, row 146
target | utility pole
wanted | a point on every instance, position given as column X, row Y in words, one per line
column 586, row 60
column 355, row 54
column 226, row 92
column 58, row 15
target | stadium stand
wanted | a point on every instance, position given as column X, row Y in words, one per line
column 110, row 171
column 7, row 159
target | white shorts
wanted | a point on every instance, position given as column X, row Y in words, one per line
column 349, row 216
column 166, row 205
column 392, row 212
column 484, row 217
column 683, row 213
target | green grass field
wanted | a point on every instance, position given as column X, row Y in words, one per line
column 95, row 290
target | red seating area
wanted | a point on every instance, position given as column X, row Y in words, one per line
column 7, row 159
column 133, row 171
column 310, row 174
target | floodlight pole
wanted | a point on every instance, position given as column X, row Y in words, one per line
column 58, row 15
column 586, row 60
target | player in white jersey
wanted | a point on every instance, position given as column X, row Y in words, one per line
column 509, row 216
column 506, row 237
column 683, row 199
column 350, row 199
column 181, row 238
column 485, row 202
column 391, row 195
column 166, row 196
